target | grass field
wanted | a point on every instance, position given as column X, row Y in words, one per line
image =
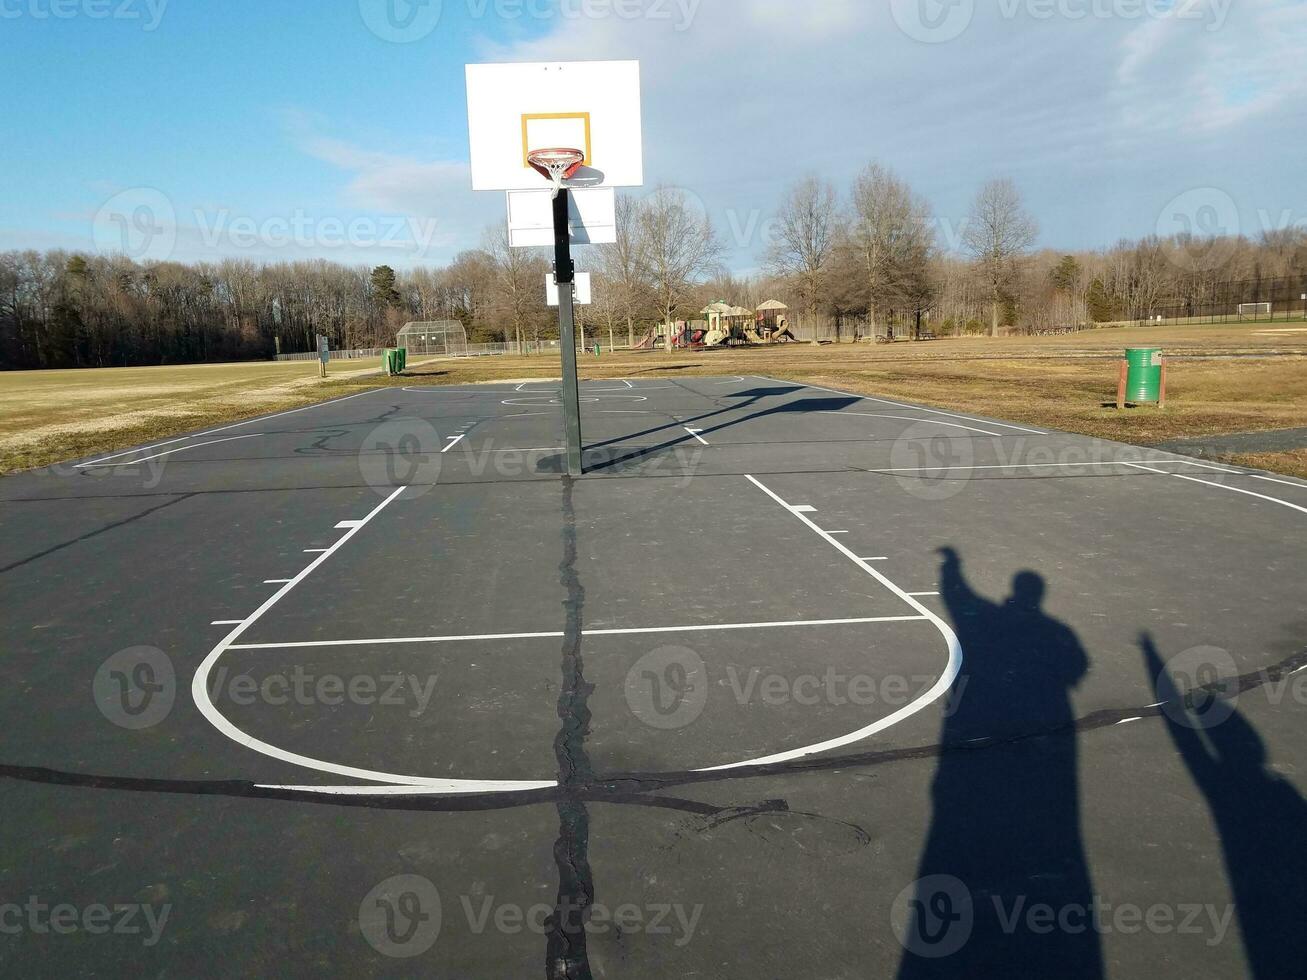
column 1222, row 379
column 48, row 416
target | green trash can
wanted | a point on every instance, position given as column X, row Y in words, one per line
column 1143, row 382
column 403, row 359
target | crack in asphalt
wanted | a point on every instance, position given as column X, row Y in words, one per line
column 567, row 957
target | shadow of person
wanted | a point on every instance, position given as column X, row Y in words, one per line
column 1258, row 815
column 1003, row 886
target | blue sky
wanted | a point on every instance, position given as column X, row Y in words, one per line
column 271, row 129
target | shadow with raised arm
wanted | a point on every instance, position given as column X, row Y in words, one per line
column 1003, row 886
column 1260, row 818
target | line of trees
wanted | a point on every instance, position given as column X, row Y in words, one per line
column 847, row 264
column 874, row 259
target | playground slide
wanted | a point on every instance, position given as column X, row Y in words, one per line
column 648, row 342
column 695, row 338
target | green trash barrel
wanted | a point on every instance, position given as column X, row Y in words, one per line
column 1143, row 381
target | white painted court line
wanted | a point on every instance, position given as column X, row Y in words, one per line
column 453, row 441
column 1219, row 486
column 200, row 695
column 633, row 631
column 349, row 525
column 290, row 411
column 179, row 449
column 915, row 408
column 908, row 418
column 275, row 581
column 209, row 432
column 695, row 433
column 129, row 452
column 1206, row 466
column 315, row 551
column 396, row 641
column 1226, row 469
column 226, row 622
column 938, row 690
column 878, row 558
column 1272, row 479
column 918, row 595
column 1013, row 466
column 802, row 508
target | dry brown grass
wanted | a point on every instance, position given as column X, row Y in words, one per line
column 1222, row 379
column 48, row 416
column 1292, row 463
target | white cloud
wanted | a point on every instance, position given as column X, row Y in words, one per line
column 1101, row 110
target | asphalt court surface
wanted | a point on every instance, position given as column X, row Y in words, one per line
column 777, row 633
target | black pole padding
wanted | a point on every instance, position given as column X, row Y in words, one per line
column 564, row 268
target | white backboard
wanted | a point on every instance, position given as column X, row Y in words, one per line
column 580, row 296
column 593, row 106
column 591, row 217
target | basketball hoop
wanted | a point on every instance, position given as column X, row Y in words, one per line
column 556, row 164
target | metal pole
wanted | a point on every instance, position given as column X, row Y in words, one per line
column 565, row 276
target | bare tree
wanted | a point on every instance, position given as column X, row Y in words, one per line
column 624, row 267
column 606, row 304
column 805, row 239
column 999, row 231
column 888, row 239
column 517, row 294
column 678, row 248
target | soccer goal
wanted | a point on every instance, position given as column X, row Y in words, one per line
column 1254, row 310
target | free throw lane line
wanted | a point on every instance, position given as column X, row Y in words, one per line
column 937, row 690
column 200, row 695
column 633, row 631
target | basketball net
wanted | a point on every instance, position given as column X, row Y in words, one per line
column 556, row 164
